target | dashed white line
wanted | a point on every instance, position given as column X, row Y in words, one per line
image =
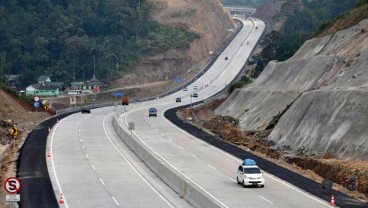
column 80, row 140
column 233, row 179
column 116, row 202
column 170, row 140
column 180, row 147
column 211, row 166
column 194, row 155
column 102, row 181
column 93, row 167
column 87, row 156
column 82, row 146
column 266, row 199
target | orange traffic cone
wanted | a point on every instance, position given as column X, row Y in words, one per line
column 333, row 201
column 61, row 199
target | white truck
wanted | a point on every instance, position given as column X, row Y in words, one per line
column 250, row 174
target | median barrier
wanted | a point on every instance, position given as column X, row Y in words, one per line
column 182, row 185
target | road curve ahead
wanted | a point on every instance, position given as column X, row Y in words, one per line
column 205, row 166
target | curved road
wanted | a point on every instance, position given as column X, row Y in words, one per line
column 92, row 167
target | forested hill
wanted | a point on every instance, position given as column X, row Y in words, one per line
column 68, row 39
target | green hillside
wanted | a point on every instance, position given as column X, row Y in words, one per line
column 69, row 39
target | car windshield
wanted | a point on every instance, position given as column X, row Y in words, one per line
column 252, row 170
column 152, row 110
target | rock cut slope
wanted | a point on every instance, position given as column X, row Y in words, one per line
column 319, row 96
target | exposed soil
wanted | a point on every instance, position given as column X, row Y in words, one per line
column 350, row 177
column 14, row 112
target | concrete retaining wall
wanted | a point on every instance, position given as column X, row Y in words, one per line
column 172, row 177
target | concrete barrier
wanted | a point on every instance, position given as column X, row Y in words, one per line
column 182, row 185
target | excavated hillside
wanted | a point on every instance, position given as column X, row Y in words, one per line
column 318, row 97
column 208, row 19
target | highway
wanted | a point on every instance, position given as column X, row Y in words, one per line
column 93, row 167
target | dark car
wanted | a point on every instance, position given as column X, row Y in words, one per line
column 195, row 95
column 178, row 100
column 86, row 110
column 152, row 112
column 226, row 58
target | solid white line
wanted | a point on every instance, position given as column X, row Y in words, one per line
column 102, row 182
column 194, row 155
column 93, row 167
column 131, row 165
column 239, row 161
column 126, row 122
column 116, row 202
column 53, row 164
column 266, row 199
column 211, row 166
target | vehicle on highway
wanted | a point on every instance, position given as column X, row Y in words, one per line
column 152, row 112
column 256, row 27
column 250, row 174
column 247, row 43
column 86, row 110
column 185, row 89
column 125, row 100
column 178, row 100
column 195, row 95
column 226, row 58
column 195, row 87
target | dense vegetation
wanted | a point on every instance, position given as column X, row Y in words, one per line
column 68, row 40
column 303, row 18
column 247, row 3
column 244, row 80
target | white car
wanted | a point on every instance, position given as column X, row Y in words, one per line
column 250, row 175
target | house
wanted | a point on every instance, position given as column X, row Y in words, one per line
column 43, row 79
column 42, row 90
column 44, row 87
column 11, row 80
column 91, row 86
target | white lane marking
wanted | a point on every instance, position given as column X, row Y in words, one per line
column 194, row 155
column 180, row 147
column 131, row 165
column 80, row 139
column 200, row 187
column 102, row 181
column 266, row 199
column 87, row 156
column 211, row 166
column 82, row 146
column 53, row 164
column 93, row 167
column 233, row 179
column 239, row 161
column 116, row 202
column 170, row 140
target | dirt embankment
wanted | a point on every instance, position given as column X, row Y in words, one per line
column 14, row 112
column 350, row 177
column 207, row 19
